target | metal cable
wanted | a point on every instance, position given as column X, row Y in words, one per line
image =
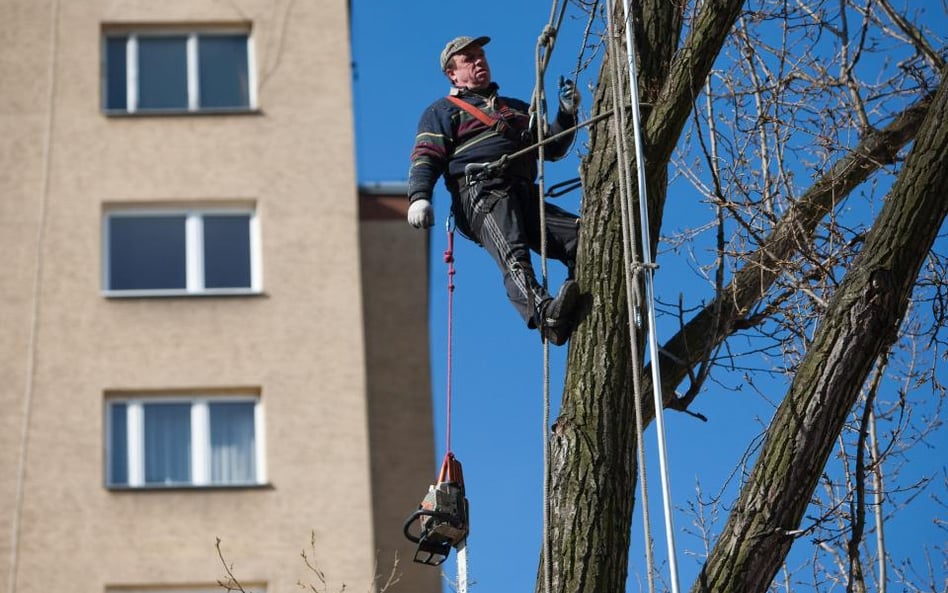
column 647, row 269
column 630, row 256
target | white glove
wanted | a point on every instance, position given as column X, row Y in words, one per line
column 569, row 96
column 421, row 214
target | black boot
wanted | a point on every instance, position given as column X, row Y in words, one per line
column 556, row 315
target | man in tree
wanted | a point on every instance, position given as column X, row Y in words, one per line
column 498, row 205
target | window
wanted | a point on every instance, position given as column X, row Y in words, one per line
column 177, row 72
column 158, row 252
column 176, row 441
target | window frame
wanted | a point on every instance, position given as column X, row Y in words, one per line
column 194, row 250
column 133, row 34
column 200, row 440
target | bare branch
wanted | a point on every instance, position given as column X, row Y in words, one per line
column 231, row 583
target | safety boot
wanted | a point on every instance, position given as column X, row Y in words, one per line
column 557, row 315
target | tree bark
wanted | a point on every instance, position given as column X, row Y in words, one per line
column 593, row 441
column 860, row 325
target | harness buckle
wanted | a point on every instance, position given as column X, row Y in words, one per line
column 474, row 172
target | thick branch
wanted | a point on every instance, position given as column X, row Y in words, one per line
column 793, row 233
column 859, row 326
column 687, row 75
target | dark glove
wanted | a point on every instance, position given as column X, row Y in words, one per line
column 569, row 96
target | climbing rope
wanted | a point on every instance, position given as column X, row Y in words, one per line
column 449, row 260
column 544, row 49
column 645, row 268
column 461, row 547
column 630, row 254
column 544, row 45
column 497, row 167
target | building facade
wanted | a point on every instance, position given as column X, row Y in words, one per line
column 202, row 341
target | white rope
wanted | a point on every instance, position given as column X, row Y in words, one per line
column 647, row 270
column 34, row 314
column 539, row 104
column 462, row 567
column 630, row 255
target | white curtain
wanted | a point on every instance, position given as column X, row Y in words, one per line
column 232, row 443
column 167, row 443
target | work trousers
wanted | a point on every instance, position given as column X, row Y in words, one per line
column 503, row 216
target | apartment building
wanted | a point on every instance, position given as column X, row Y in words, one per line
column 203, row 337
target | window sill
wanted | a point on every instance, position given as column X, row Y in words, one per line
column 159, row 294
column 188, row 488
column 180, row 112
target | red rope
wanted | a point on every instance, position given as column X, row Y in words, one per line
column 449, row 259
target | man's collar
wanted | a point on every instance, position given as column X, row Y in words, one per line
column 487, row 91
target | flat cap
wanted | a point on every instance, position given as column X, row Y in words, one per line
column 457, row 44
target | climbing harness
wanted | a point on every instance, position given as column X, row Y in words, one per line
column 476, row 112
column 442, row 520
column 498, row 124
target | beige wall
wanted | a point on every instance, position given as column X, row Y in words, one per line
column 397, row 350
column 302, row 343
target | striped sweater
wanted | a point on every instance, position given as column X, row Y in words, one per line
column 449, row 138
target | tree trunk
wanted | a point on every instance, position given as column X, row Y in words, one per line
column 593, row 461
column 859, row 326
column 593, row 441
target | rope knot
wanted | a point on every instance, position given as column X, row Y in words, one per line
column 548, row 36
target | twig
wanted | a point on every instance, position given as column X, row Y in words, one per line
column 231, row 584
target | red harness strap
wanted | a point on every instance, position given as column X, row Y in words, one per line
column 476, row 112
column 490, row 122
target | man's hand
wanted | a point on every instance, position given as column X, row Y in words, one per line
column 569, row 96
column 421, row 214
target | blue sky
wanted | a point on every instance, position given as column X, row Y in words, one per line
column 498, row 426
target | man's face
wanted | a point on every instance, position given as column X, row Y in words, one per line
column 468, row 68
